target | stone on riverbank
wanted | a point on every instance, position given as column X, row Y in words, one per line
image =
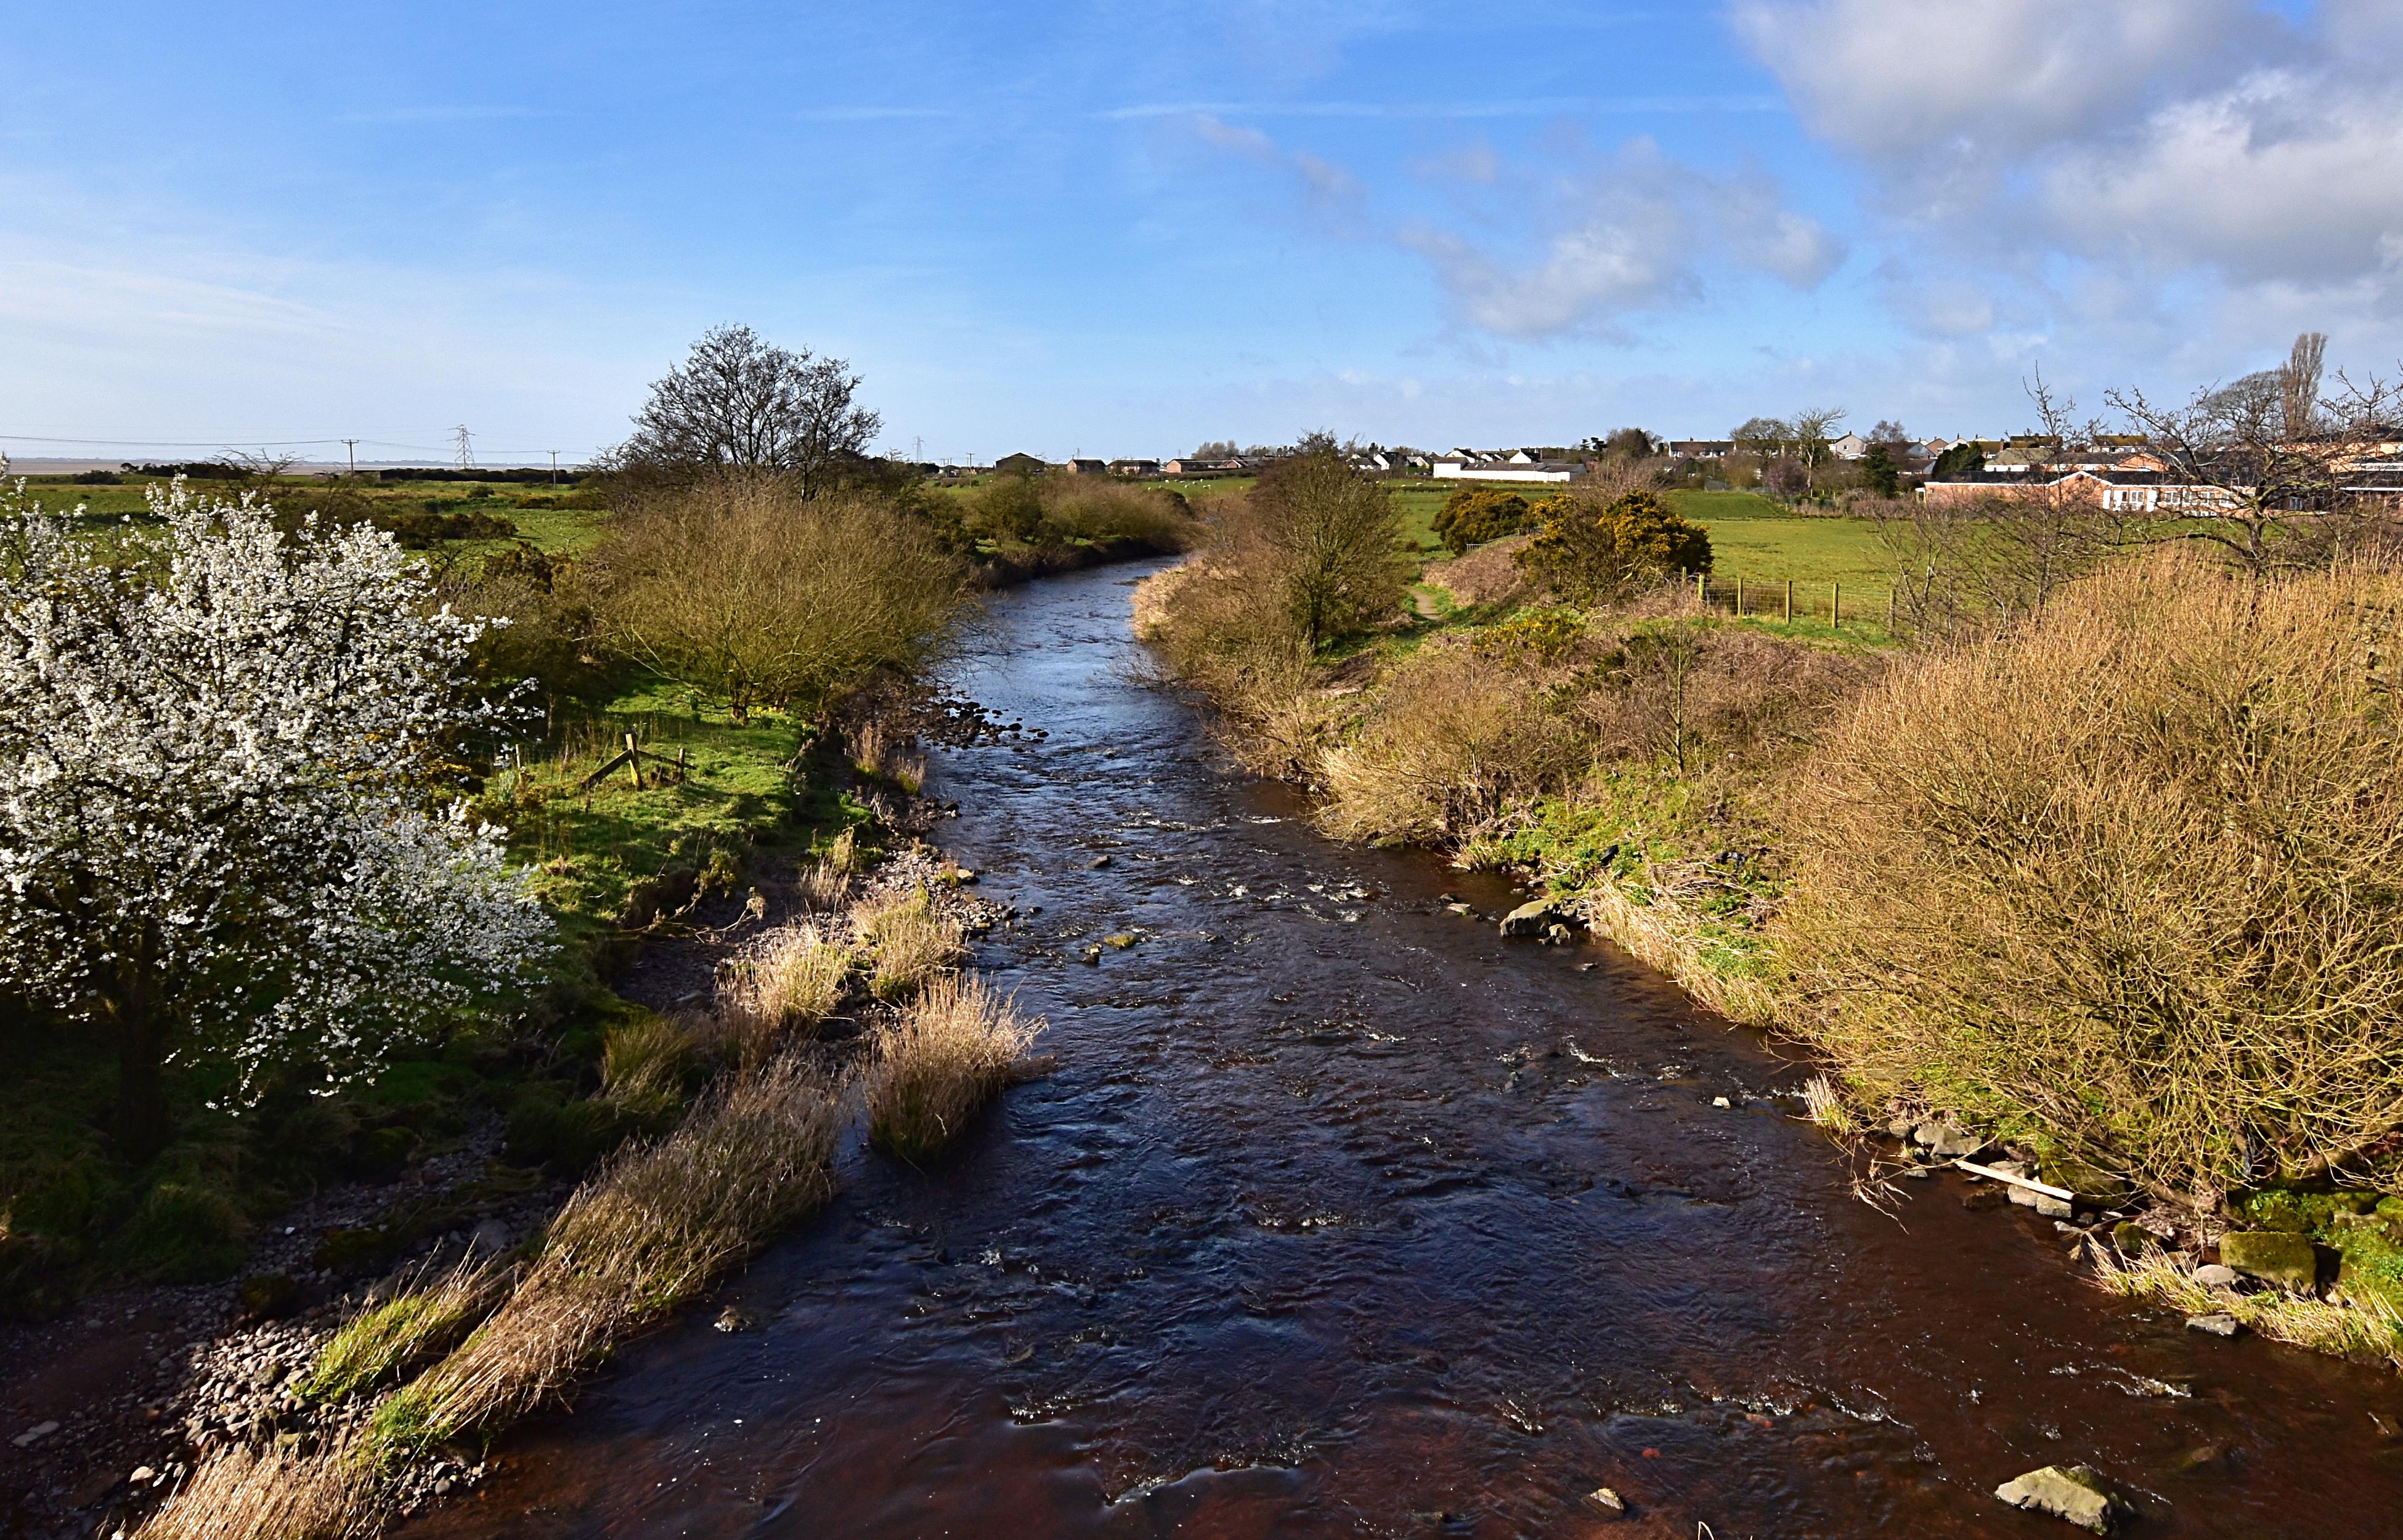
column 2218, row 1323
column 2211, row 1275
column 2074, row 1492
column 2273, row 1256
column 1530, row 918
column 1947, row 1139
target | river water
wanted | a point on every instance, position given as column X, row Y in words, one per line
column 1340, row 1216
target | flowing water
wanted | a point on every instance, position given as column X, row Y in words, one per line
column 1340, row 1216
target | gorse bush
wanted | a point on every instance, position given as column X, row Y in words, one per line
column 1590, row 554
column 745, row 589
column 1474, row 515
column 2128, row 875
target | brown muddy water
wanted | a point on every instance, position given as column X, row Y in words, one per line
column 1341, row 1216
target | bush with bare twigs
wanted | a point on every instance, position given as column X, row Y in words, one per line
column 2125, row 876
column 747, row 589
column 954, row 1046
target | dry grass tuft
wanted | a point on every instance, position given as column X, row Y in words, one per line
column 273, row 1494
column 645, row 1235
column 786, row 980
column 910, row 943
column 954, row 1046
column 2369, row 1329
column 824, row 887
column 2127, row 872
column 1824, row 1106
column 844, row 856
column 643, row 1060
column 398, row 1333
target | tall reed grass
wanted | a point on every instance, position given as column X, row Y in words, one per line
column 909, row 942
column 632, row 1243
column 954, row 1046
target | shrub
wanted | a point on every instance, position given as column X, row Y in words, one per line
column 221, row 833
column 743, row 589
column 1590, row 555
column 184, row 1233
column 1458, row 734
column 1474, row 515
column 2127, row 876
column 1079, row 507
column 954, row 1048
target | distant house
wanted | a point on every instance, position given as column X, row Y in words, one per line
column 1135, row 467
column 1702, row 448
column 1852, row 446
column 1089, row 467
column 1191, row 465
column 2120, row 491
column 1020, row 465
column 1458, row 467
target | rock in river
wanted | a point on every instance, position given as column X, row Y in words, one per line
column 2074, row 1492
column 2273, row 1257
column 1530, row 918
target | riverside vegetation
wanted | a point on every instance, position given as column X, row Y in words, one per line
column 2108, row 881
column 696, row 683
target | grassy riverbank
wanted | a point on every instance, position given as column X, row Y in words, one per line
column 2106, row 886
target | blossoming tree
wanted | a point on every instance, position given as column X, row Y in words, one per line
column 222, row 828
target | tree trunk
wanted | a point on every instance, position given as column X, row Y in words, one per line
column 140, row 1123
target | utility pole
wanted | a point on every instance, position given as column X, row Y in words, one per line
column 554, row 466
column 466, row 452
column 353, row 445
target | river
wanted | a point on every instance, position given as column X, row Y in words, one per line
column 1340, row 1216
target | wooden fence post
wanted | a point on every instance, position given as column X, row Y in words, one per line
column 633, row 763
column 1702, row 590
column 1836, row 604
column 1789, row 600
column 1739, row 598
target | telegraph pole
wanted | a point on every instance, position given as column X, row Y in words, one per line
column 353, row 445
column 554, row 466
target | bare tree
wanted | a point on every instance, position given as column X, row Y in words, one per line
column 741, row 403
column 1809, row 440
column 1960, row 564
column 2271, row 496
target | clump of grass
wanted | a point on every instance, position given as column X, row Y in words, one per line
column 645, row 1235
column 1824, row 1106
column 824, row 887
column 954, row 1048
column 843, row 857
column 393, row 1336
column 643, row 1061
column 786, row 980
column 274, row 1494
column 910, row 943
column 2368, row 1329
column 2126, row 873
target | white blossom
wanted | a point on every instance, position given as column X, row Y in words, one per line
column 223, row 821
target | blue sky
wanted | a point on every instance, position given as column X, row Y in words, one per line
column 1122, row 229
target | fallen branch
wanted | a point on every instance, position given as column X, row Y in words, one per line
column 2029, row 1182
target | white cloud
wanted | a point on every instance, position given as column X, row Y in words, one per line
column 1634, row 232
column 1902, row 76
column 2035, row 152
column 2283, row 177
